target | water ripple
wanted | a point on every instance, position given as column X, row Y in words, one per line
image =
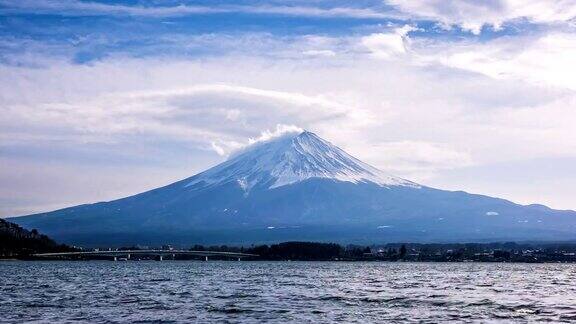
column 280, row 292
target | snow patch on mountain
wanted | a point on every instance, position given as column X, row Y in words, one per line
column 289, row 158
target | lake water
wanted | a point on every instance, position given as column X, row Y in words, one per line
column 182, row 291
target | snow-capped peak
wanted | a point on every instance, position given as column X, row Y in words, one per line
column 291, row 158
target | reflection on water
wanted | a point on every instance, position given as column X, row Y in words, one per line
column 285, row 291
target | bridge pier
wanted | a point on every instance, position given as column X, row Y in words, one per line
column 160, row 257
column 206, row 258
column 115, row 258
column 128, row 256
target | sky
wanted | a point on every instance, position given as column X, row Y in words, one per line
column 104, row 99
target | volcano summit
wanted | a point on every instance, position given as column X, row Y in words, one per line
column 299, row 187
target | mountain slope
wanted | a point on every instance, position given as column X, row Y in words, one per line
column 299, row 186
column 290, row 159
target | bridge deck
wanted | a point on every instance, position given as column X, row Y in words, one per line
column 147, row 252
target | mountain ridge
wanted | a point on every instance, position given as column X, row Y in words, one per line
column 299, row 187
column 291, row 158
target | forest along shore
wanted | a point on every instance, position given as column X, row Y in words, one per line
column 19, row 243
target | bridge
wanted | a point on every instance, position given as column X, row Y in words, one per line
column 157, row 253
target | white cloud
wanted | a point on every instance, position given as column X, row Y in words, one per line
column 74, row 7
column 280, row 130
column 547, row 59
column 227, row 148
column 319, row 53
column 349, row 103
column 420, row 156
column 472, row 15
column 212, row 116
column 388, row 45
column 218, row 148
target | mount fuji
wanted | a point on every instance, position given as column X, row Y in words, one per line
column 299, row 187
